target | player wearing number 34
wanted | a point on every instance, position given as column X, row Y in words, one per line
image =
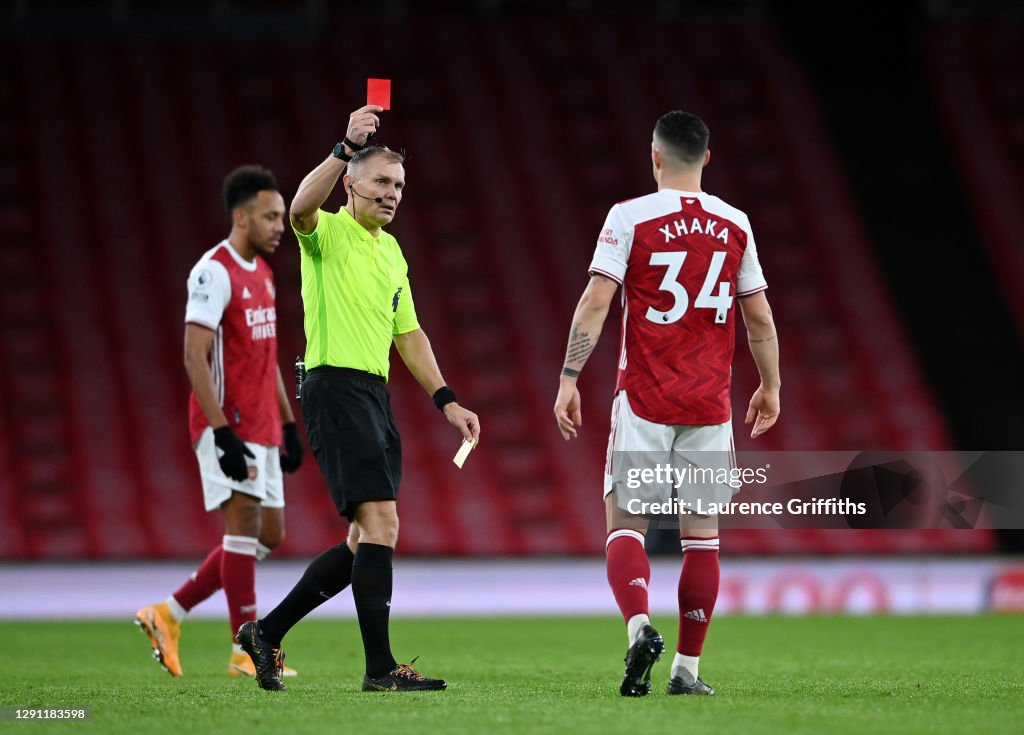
column 683, row 258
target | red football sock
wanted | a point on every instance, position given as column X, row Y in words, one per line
column 204, row 582
column 629, row 571
column 698, row 590
column 238, row 575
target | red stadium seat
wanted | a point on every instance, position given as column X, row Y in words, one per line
column 519, row 143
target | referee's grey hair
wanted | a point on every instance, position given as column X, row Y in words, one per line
column 369, row 152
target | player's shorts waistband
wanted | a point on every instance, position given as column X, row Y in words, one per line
column 326, row 371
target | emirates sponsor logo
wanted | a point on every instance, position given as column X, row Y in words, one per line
column 263, row 321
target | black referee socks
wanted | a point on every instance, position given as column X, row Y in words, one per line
column 371, row 590
column 370, row 574
column 326, row 576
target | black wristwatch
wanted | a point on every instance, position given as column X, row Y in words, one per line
column 339, row 152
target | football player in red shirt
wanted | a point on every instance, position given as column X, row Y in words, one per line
column 236, row 410
column 682, row 257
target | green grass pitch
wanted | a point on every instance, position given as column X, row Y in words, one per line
column 538, row 675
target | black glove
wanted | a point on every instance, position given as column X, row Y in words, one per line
column 291, row 459
column 232, row 461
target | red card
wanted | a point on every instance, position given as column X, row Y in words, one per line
column 378, row 92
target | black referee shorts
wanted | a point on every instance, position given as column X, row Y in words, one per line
column 353, row 435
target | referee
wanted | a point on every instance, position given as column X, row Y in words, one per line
column 357, row 301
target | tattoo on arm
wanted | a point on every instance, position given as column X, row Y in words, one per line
column 570, row 373
column 581, row 344
column 758, row 341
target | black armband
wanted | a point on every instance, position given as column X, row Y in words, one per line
column 352, row 145
column 443, row 396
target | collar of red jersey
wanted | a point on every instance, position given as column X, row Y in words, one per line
column 246, row 265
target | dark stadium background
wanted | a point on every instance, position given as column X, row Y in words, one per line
column 880, row 157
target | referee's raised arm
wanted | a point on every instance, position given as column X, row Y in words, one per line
column 319, row 183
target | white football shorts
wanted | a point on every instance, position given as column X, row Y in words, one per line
column 693, row 460
column 265, row 482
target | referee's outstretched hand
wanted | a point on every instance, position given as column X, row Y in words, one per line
column 363, row 123
column 291, row 458
column 467, row 422
column 233, row 454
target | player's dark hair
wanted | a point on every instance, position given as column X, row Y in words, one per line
column 244, row 183
column 684, row 135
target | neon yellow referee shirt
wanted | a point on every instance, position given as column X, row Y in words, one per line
column 355, row 294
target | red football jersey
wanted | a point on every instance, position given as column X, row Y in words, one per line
column 235, row 298
column 682, row 257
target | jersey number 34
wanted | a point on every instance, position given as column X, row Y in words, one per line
column 720, row 302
